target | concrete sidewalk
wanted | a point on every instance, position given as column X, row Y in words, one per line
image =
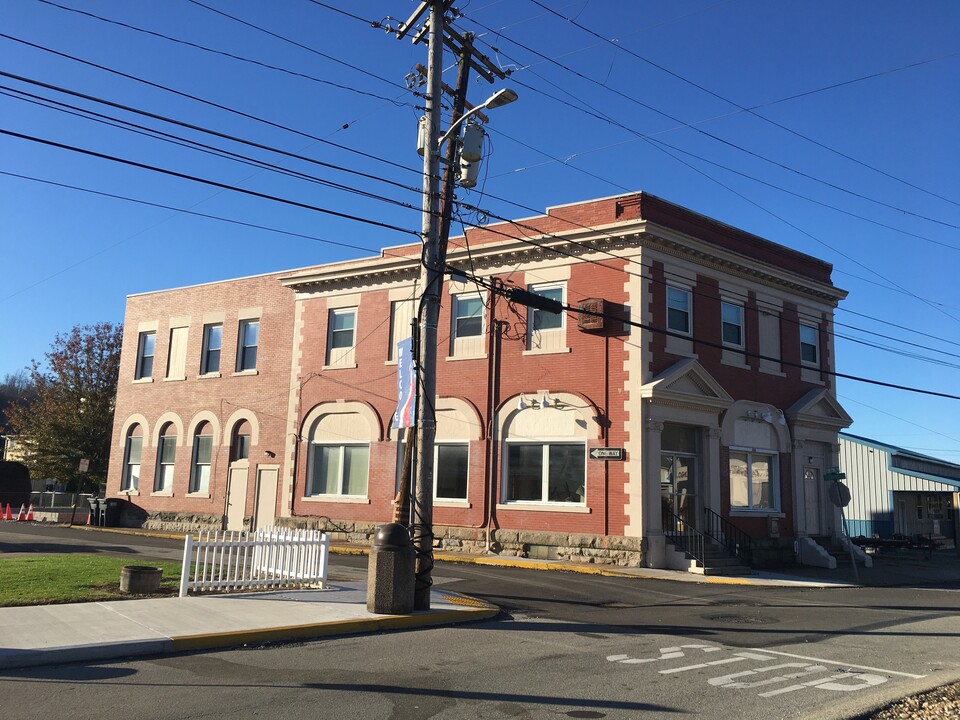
column 54, row 634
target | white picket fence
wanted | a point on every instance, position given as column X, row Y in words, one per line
column 267, row 558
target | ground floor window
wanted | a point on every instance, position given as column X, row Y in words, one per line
column 202, row 455
column 450, row 468
column 338, row 470
column 131, row 460
column 546, row 472
column 753, row 479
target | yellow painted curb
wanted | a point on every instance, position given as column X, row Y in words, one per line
column 339, row 627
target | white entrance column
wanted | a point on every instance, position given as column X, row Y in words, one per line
column 655, row 552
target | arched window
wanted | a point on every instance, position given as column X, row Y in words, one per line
column 339, row 458
column 544, row 453
column 202, row 455
column 240, row 442
column 166, row 457
column 131, row 459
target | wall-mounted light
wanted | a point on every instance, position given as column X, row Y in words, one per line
column 522, row 403
column 270, row 453
column 545, row 400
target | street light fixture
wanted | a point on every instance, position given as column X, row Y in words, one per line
column 501, row 97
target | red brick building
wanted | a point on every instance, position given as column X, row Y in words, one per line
column 269, row 399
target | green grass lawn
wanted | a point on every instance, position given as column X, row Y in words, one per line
column 66, row 578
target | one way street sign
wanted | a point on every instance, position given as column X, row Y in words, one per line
column 608, row 453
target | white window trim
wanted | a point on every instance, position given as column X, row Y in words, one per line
column 455, row 316
column 689, row 293
column 451, row 502
column 241, row 346
column 774, row 482
column 538, row 289
column 126, row 484
column 204, row 372
column 193, row 487
column 742, row 324
column 545, row 476
column 816, row 346
column 342, row 357
column 141, row 341
column 335, row 497
column 158, row 474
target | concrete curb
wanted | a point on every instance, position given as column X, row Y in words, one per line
column 554, row 565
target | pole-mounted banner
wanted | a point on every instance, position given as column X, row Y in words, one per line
column 406, row 386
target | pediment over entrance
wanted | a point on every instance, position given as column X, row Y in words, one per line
column 818, row 407
column 687, row 383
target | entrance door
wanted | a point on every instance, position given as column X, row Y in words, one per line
column 266, row 497
column 678, row 483
column 811, row 499
column 237, row 498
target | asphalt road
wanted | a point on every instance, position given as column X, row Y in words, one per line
column 567, row 645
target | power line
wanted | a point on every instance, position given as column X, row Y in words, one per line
column 737, row 105
column 718, row 139
column 205, row 181
column 210, row 103
column 240, row 58
column 707, row 343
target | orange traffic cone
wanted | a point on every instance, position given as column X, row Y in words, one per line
column 88, row 518
column 23, row 513
column 9, row 515
column 29, row 517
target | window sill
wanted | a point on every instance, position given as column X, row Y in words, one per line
column 776, row 373
column 245, row 373
column 142, row 381
column 345, row 499
column 544, row 507
column 207, row 376
column 170, row 379
column 453, row 358
column 452, row 504
column 198, row 495
column 757, row 513
column 128, row 493
column 162, row 493
column 558, row 351
column 351, row 366
column 681, row 353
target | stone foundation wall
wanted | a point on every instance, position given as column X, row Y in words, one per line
column 773, row 552
column 537, row 545
column 593, row 549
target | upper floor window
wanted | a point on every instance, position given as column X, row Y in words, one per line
column 679, row 310
column 249, row 339
column 545, row 328
column 212, row 343
column 809, row 344
column 732, row 324
column 177, row 354
column 466, row 325
column 401, row 327
column 131, row 459
column 341, row 336
column 145, row 350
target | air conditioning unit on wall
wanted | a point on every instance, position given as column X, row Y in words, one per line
column 588, row 322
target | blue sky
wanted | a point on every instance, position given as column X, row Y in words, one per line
column 849, row 152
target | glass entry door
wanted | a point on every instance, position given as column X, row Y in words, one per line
column 678, row 489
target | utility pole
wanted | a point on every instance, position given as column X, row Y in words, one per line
column 431, row 280
column 435, row 229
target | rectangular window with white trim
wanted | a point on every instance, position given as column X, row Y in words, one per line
column 679, row 310
column 341, row 337
column 546, row 331
column 754, row 481
column 338, row 470
column 731, row 319
column 146, row 346
column 466, row 325
column 809, row 344
column 545, row 472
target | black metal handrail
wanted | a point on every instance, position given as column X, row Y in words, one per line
column 686, row 537
column 735, row 540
